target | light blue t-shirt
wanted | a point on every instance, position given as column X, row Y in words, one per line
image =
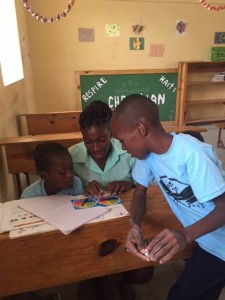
column 118, row 166
column 190, row 176
column 37, row 189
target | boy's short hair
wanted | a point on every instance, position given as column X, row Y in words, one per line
column 96, row 114
column 135, row 108
column 44, row 152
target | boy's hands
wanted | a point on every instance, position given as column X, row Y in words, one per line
column 134, row 243
column 165, row 245
column 116, row 187
column 161, row 249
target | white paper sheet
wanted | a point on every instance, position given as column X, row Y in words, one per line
column 58, row 211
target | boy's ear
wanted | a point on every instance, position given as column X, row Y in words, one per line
column 142, row 129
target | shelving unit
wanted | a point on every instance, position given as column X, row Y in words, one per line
column 201, row 100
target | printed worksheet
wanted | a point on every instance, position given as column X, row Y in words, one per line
column 13, row 217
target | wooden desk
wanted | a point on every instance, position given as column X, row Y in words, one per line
column 19, row 150
column 219, row 139
column 50, row 259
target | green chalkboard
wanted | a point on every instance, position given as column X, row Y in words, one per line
column 158, row 85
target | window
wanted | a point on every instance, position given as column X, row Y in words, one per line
column 10, row 55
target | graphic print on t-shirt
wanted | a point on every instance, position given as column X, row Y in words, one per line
column 179, row 191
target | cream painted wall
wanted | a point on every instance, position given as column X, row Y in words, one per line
column 15, row 99
column 56, row 52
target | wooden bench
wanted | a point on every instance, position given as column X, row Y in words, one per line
column 53, row 122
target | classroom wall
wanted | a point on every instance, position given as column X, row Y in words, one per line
column 56, row 53
column 15, row 99
column 51, row 52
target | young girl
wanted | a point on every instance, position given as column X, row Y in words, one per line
column 103, row 165
column 99, row 160
column 54, row 165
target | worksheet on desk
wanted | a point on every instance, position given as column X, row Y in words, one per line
column 13, row 217
column 58, row 211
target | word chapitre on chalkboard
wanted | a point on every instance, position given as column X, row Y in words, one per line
column 158, row 85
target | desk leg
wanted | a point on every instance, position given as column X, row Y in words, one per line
column 219, row 140
column 18, row 182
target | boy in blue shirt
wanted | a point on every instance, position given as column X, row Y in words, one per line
column 192, row 181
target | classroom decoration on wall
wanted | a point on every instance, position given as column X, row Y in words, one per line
column 113, row 86
column 38, row 17
column 136, row 43
column 112, row 30
column 181, row 27
column 219, row 38
column 156, row 50
column 137, row 28
column 86, row 34
column 212, row 7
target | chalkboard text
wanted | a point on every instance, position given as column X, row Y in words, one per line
column 167, row 83
column 93, row 90
column 114, row 101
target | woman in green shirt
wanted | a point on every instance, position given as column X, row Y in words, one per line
column 103, row 166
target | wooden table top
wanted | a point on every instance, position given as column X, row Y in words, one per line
column 51, row 259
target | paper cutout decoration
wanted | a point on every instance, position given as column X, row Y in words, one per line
column 212, row 7
column 156, row 50
column 181, row 27
column 112, row 30
column 136, row 43
column 86, row 34
column 137, row 28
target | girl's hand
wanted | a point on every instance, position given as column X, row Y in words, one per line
column 116, row 187
column 93, row 189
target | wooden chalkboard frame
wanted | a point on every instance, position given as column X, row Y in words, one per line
column 78, row 75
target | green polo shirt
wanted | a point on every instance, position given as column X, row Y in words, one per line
column 118, row 166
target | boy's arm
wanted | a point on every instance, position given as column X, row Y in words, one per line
column 168, row 242
column 134, row 242
column 214, row 220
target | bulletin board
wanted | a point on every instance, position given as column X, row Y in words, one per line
column 112, row 87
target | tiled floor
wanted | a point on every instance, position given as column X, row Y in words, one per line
column 166, row 275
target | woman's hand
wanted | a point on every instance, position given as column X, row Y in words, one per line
column 93, row 189
column 116, row 187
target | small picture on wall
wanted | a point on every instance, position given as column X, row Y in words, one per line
column 112, row 30
column 156, row 50
column 181, row 27
column 137, row 43
column 219, row 38
column 86, row 34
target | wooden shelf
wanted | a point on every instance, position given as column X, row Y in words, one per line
column 204, row 82
column 206, row 101
column 194, row 82
column 206, row 120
